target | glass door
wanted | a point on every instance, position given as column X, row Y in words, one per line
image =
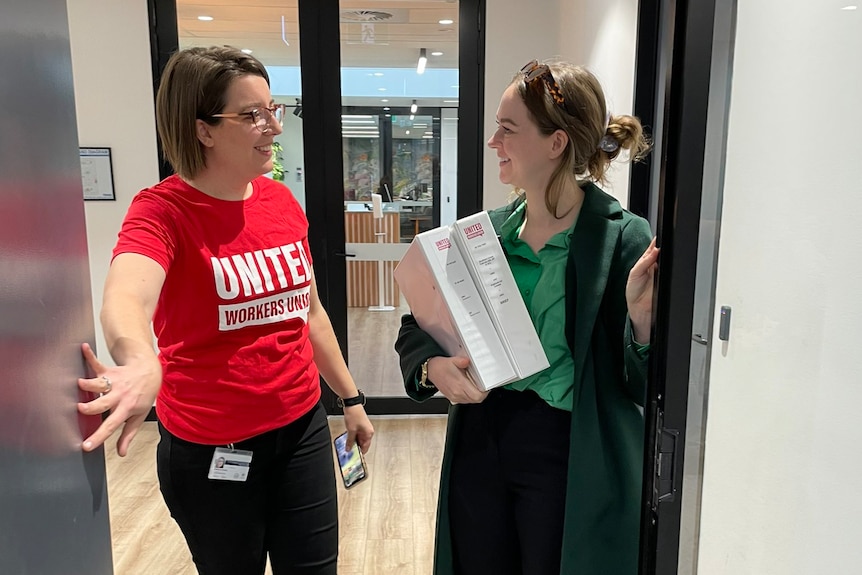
column 399, row 72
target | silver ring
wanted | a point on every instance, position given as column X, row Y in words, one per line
column 107, row 381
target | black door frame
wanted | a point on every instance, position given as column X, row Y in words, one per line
column 678, row 58
column 321, row 65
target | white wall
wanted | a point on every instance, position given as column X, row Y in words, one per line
column 600, row 34
column 516, row 32
column 114, row 102
column 782, row 490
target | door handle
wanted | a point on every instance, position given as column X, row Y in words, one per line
column 724, row 324
column 344, row 255
column 696, row 337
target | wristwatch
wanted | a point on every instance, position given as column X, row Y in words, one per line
column 351, row 401
column 423, row 378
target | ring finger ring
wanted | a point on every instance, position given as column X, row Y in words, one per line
column 107, row 381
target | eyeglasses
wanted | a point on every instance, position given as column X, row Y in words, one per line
column 262, row 118
column 533, row 71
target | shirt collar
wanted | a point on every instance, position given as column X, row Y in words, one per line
column 512, row 227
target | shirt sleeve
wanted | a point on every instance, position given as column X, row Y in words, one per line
column 148, row 230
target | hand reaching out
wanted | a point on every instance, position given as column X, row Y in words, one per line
column 128, row 392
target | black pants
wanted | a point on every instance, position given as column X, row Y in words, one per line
column 507, row 492
column 287, row 507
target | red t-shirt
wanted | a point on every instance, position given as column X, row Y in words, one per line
column 232, row 318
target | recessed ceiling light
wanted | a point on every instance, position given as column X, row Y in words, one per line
column 378, row 73
column 849, row 8
column 205, row 18
column 246, row 51
column 436, row 53
column 407, row 132
column 381, row 89
column 384, row 100
column 450, row 101
column 446, row 22
column 456, row 86
column 387, row 108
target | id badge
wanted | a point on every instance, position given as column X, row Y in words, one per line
column 230, row 464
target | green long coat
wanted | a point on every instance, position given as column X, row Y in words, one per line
column 601, row 530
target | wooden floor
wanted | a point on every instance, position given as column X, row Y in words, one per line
column 370, row 340
column 386, row 524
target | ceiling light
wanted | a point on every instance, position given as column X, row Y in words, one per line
column 387, row 108
column 378, row 74
column 413, row 107
column 849, row 8
column 381, row 89
column 246, row 51
column 412, row 117
column 407, row 132
column 423, row 59
column 384, row 100
column 446, row 22
column 437, row 53
column 205, row 18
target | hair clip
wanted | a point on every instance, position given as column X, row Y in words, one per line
column 609, row 144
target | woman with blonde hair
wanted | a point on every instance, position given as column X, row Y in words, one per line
column 543, row 476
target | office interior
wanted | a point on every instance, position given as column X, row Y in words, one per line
column 751, row 188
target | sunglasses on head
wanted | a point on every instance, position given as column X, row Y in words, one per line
column 534, row 71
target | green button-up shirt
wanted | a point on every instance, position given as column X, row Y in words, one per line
column 541, row 279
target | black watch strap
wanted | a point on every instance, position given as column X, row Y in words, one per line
column 351, row 401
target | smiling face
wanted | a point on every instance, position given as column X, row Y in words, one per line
column 235, row 145
column 527, row 157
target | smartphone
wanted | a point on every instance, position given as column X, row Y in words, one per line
column 351, row 463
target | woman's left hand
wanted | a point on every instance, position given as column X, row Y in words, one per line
column 359, row 428
column 639, row 292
